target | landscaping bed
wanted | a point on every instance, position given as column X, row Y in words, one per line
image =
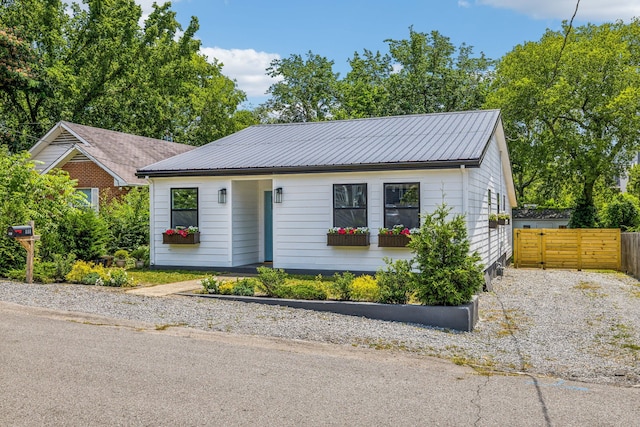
column 462, row 317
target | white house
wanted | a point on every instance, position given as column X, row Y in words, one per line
column 269, row 193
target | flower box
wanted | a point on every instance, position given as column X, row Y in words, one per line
column 502, row 221
column 493, row 223
column 393, row 240
column 177, row 239
column 359, row 239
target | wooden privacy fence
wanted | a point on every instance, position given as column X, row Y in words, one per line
column 631, row 253
column 582, row 248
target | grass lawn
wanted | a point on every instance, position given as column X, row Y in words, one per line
column 160, row 277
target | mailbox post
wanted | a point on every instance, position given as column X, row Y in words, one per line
column 25, row 235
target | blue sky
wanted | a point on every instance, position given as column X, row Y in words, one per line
column 246, row 35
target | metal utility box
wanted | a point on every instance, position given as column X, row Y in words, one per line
column 20, row 231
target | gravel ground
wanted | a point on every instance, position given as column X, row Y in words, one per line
column 582, row 326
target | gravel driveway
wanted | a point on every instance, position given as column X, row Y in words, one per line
column 582, row 326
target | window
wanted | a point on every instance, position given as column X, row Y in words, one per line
column 92, row 197
column 350, row 205
column 402, row 205
column 184, row 207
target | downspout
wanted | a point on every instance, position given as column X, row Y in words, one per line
column 152, row 221
column 465, row 195
column 465, row 190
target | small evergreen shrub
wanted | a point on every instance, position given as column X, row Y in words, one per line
column 82, row 232
column 306, row 291
column 395, row 281
column 210, row 285
column 62, row 266
column 92, row 278
column 271, row 280
column 365, row 288
column 341, row 285
column 448, row 273
column 121, row 254
column 244, row 287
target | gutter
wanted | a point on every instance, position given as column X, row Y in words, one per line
column 372, row 167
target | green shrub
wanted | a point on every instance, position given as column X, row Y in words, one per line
column 447, row 273
column 82, row 232
column 127, row 219
column 118, row 277
column 271, row 280
column 622, row 212
column 306, row 291
column 365, row 288
column 82, row 269
column 121, row 254
column 584, row 215
column 244, row 287
column 62, row 266
column 141, row 253
column 210, row 285
column 92, row 278
column 395, row 281
column 28, row 195
column 341, row 285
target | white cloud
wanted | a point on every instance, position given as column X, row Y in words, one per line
column 464, row 3
column 246, row 66
column 589, row 10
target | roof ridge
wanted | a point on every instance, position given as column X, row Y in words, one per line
column 398, row 116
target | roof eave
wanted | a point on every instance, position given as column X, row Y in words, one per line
column 369, row 167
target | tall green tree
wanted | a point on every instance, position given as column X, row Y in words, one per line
column 101, row 68
column 364, row 92
column 307, row 90
column 435, row 76
column 570, row 103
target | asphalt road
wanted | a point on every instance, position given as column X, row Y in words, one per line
column 68, row 369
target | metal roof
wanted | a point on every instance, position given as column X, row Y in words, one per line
column 412, row 142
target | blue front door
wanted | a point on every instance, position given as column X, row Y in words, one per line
column 268, row 226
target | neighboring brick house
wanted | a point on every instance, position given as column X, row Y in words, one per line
column 104, row 162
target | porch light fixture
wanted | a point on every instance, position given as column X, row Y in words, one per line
column 222, row 195
column 278, row 195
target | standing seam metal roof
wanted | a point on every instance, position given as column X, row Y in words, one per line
column 421, row 140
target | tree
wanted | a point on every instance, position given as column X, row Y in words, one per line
column 432, row 78
column 622, row 212
column 307, row 90
column 633, row 185
column 364, row 92
column 100, row 68
column 570, row 103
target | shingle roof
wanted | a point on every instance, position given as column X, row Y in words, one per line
column 541, row 213
column 412, row 141
column 120, row 153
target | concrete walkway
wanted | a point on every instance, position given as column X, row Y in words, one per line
column 168, row 289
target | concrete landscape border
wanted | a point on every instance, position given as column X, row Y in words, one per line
column 461, row 318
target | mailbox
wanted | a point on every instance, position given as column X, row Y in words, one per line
column 20, row 231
